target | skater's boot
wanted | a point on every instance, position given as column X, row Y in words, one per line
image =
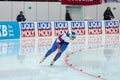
column 42, row 59
column 52, row 63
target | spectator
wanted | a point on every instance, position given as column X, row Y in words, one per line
column 67, row 16
column 20, row 17
column 108, row 15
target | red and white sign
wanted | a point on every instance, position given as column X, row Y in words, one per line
column 81, row 2
column 27, row 29
column 78, row 27
column 60, row 28
column 44, row 29
column 111, row 27
column 94, row 27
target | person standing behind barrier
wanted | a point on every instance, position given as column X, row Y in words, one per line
column 108, row 15
column 67, row 16
column 20, row 17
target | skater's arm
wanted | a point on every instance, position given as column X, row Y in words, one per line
column 63, row 38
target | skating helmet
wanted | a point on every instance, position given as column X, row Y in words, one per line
column 73, row 35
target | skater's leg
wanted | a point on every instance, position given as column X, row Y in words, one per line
column 55, row 58
column 63, row 48
column 53, row 48
column 42, row 59
column 47, row 54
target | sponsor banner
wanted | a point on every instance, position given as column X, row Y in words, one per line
column 81, row 2
column 60, row 28
column 27, row 46
column 44, row 45
column 111, row 27
column 27, row 29
column 95, row 42
column 94, row 27
column 78, row 27
column 9, row 47
column 44, row 29
column 112, row 41
column 9, row 30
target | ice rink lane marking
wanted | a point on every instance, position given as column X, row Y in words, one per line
column 80, row 70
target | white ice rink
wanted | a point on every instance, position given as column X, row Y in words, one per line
column 86, row 58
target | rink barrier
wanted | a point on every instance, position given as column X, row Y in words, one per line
column 30, row 29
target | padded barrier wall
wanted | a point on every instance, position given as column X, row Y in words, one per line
column 18, row 30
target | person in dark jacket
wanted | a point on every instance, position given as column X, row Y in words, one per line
column 20, row 17
column 108, row 15
column 67, row 16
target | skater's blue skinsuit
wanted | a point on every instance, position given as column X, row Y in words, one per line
column 60, row 43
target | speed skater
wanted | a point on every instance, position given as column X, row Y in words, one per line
column 61, row 44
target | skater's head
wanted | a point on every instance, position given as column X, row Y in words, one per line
column 72, row 35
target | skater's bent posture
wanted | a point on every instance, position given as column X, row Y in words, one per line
column 61, row 44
